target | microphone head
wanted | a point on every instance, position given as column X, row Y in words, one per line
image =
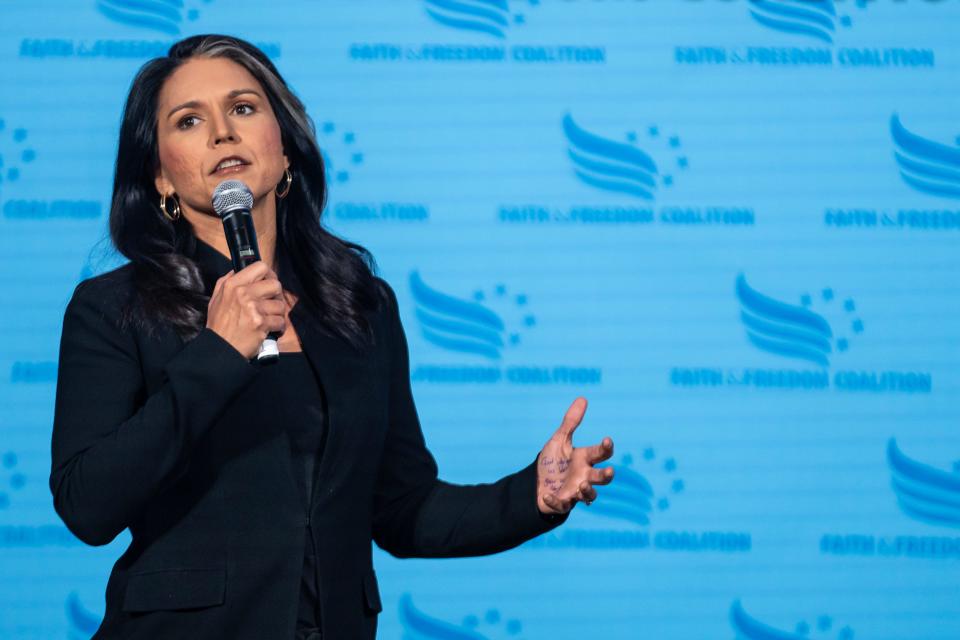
column 232, row 195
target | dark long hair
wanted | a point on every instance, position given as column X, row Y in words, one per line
column 337, row 275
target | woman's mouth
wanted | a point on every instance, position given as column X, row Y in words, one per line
column 230, row 165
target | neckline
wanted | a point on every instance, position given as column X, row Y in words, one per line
column 291, row 353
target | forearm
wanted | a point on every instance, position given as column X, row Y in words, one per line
column 105, row 473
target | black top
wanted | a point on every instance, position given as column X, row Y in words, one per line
column 299, row 398
column 145, row 438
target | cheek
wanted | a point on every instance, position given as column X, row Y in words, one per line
column 179, row 166
column 272, row 145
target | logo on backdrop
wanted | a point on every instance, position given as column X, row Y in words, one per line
column 342, row 158
column 816, row 19
column 642, row 493
column 467, row 326
column 17, row 156
column 633, row 497
column 15, row 153
column 631, row 169
column 823, row 326
column 163, row 16
column 81, row 623
column 164, row 19
column 484, row 26
column 340, row 152
column 12, row 479
column 484, row 330
column 619, row 166
column 927, row 166
column 747, row 627
column 490, row 17
column 809, row 31
column 796, row 331
column 418, row 625
column 925, row 493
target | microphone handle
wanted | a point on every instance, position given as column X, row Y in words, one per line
column 244, row 251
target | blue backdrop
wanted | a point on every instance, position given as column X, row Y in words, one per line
column 732, row 225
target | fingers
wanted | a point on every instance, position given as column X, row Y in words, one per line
column 253, row 273
column 600, row 476
column 600, row 452
column 272, row 306
column 572, row 418
column 269, row 288
column 586, row 493
column 218, row 286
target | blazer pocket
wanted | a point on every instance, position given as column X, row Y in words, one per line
column 171, row 589
column 371, row 593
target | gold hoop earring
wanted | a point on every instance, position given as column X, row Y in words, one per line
column 286, row 185
column 176, row 208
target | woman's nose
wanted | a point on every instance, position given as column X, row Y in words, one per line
column 223, row 132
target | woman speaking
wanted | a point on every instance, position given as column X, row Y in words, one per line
column 252, row 491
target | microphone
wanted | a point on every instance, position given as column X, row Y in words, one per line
column 232, row 200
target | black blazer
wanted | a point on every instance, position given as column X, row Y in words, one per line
column 142, row 439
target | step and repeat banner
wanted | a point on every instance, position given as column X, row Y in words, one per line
column 732, row 225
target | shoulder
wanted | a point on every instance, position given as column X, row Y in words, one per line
column 386, row 296
column 104, row 294
column 387, row 311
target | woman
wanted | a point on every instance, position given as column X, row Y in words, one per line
column 252, row 492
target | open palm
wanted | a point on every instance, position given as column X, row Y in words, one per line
column 565, row 474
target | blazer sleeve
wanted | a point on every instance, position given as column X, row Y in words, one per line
column 114, row 448
column 418, row 515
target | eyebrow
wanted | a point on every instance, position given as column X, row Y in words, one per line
column 192, row 104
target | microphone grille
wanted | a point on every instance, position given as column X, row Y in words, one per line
column 231, row 195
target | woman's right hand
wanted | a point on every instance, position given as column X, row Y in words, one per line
column 244, row 307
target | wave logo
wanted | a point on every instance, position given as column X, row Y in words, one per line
column 795, row 331
column 622, row 167
column 924, row 492
column 491, row 17
column 419, row 626
column 165, row 16
column 80, row 621
column 340, row 153
column 746, row 627
column 14, row 478
column 14, row 154
column 926, row 165
column 468, row 326
column 815, row 19
column 633, row 497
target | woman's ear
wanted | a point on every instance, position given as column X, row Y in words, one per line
column 163, row 185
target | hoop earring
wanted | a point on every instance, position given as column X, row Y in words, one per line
column 176, row 208
column 286, row 185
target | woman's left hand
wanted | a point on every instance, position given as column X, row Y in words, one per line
column 565, row 474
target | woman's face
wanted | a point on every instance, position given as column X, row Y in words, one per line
column 213, row 113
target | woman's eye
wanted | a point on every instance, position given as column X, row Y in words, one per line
column 187, row 122
column 243, row 109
